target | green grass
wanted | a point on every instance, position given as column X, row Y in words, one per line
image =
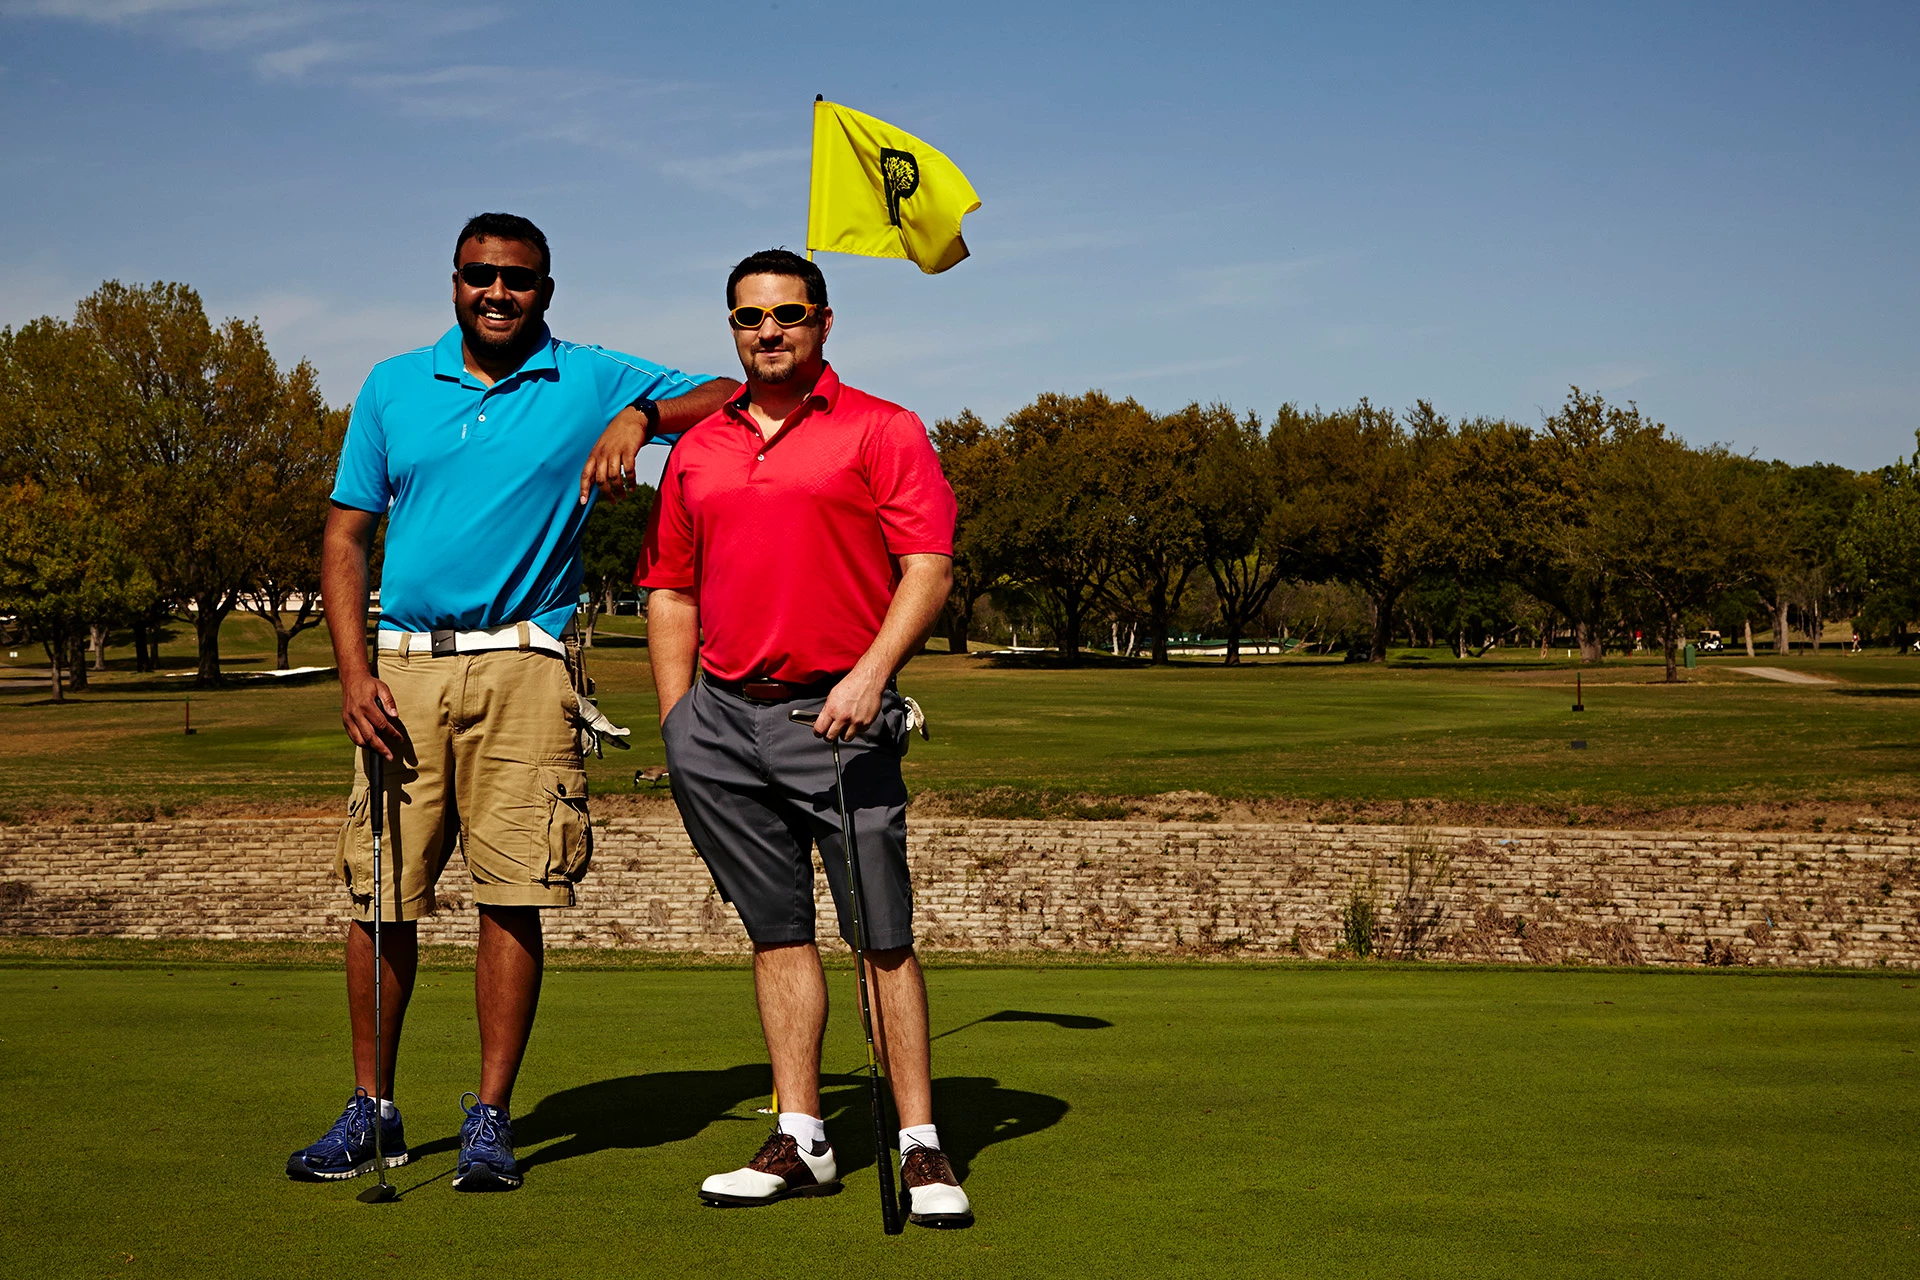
column 1302, row 1121
column 1488, row 735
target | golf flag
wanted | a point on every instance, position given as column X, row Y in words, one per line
column 883, row 193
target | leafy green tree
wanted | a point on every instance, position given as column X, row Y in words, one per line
column 61, row 566
column 1464, row 513
column 1234, row 489
column 1552, row 559
column 296, row 475
column 974, row 458
column 1879, row 550
column 1162, row 544
column 197, row 451
column 609, row 551
column 1678, row 524
column 1056, row 517
column 1339, row 480
column 1806, row 511
column 60, row 401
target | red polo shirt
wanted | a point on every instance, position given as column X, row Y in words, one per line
column 790, row 545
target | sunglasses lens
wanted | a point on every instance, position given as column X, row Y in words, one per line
column 481, row 275
column 789, row 313
column 749, row 317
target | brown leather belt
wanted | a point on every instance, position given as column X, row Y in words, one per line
column 769, row 692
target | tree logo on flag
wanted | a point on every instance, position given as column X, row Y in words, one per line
column 900, row 174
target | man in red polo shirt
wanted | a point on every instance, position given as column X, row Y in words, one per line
column 805, row 532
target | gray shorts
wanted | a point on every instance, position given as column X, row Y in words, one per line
column 755, row 791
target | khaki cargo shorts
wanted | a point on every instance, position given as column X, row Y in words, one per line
column 490, row 761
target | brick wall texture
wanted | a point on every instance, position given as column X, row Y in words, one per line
column 1257, row 890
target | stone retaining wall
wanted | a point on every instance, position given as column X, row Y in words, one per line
column 1606, row 897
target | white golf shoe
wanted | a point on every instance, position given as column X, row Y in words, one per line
column 781, row 1169
column 934, row 1197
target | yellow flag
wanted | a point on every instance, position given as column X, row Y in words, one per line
column 884, row 193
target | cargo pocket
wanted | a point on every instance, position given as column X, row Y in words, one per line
column 569, row 830
column 353, row 855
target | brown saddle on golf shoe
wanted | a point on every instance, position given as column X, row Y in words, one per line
column 934, row 1197
column 780, row 1169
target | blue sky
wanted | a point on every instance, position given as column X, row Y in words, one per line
column 1707, row 209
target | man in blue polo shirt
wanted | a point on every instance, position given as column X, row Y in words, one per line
column 484, row 452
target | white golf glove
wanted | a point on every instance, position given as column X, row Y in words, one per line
column 595, row 729
column 916, row 719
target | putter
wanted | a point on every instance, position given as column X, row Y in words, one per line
column 882, row 1144
column 382, row 1192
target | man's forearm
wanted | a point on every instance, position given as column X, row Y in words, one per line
column 681, row 412
column 673, row 644
column 343, row 591
column 917, row 601
column 612, row 467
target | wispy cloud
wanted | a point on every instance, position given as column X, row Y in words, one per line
column 1244, row 283
column 396, row 55
column 1615, row 377
column 297, row 61
column 1054, row 245
column 1176, row 370
column 728, row 172
column 264, row 31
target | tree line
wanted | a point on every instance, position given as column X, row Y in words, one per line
column 153, row 461
column 1599, row 525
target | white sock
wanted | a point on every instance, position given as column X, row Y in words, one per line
column 809, row 1131
column 920, row 1135
column 387, row 1110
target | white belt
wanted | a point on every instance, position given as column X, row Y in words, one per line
column 518, row 635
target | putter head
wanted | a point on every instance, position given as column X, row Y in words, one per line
column 803, row 717
column 379, row 1193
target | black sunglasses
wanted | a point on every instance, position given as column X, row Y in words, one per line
column 480, row 275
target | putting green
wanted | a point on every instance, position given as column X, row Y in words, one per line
column 1178, row 1121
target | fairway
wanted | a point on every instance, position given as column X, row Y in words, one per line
column 1185, row 1121
column 1481, row 740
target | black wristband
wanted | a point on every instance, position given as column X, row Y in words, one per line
column 652, row 411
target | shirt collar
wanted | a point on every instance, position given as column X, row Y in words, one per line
column 450, row 362
column 825, row 394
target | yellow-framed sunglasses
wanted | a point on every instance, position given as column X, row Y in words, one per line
column 785, row 314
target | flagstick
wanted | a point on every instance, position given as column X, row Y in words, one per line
column 818, row 97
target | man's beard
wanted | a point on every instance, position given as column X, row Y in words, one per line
column 775, row 377
column 520, row 344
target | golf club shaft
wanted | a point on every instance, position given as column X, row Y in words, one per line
column 882, row 1146
column 377, row 785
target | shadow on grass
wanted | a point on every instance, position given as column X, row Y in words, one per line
column 635, row 1112
column 1066, row 1021
column 1878, row 693
column 174, row 688
column 973, row 1112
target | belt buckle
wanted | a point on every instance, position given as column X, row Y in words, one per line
column 445, row 643
column 768, row 691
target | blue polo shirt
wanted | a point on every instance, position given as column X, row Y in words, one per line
column 481, row 485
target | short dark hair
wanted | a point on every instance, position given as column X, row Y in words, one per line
column 504, row 226
column 779, row 262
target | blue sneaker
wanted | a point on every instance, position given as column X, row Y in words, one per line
column 346, row 1151
column 486, row 1149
